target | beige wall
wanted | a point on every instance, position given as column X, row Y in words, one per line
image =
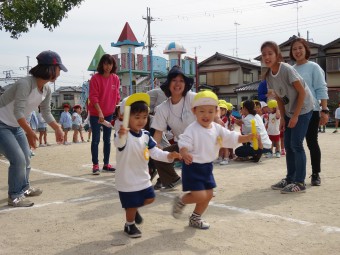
column 333, row 79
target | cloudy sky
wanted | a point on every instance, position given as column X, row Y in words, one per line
column 201, row 26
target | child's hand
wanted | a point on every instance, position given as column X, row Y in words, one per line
column 174, row 155
column 187, row 157
column 122, row 131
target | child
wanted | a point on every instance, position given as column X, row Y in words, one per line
column 223, row 154
column 66, row 122
column 76, row 124
column 199, row 145
column 247, row 150
column 42, row 128
column 296, row 107
column 132, row 156
column 87, row 126
column 273, row 128
column 337, row 119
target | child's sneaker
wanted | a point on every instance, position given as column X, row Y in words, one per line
column 218, row 160
column 108, row 168
column 277, row 154
column 283, row 152
column 177, row 207
column 132, row 231
column 138, row 218
column 294, row 188
column 280, row 185
column 268, row 155
column 95, row 169
column 224, row 162
column 197, row 222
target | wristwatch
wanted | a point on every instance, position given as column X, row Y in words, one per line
column 325, row 111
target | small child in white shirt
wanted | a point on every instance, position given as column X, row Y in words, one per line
column 199, row 146
column 132, row 156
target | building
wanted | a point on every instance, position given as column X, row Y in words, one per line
column 70, row 95
column 224, row 73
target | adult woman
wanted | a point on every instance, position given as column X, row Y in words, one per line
column 296, row 105
column 103, row 97
column 314, row 76
column 18, row 101
column 175, row 113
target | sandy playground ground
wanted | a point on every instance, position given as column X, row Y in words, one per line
column 79, row 213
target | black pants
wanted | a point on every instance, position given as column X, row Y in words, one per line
column 312, row 142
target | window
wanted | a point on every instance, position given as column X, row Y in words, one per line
column 247, row 77
column 218, row 78
column 68, row 97
column 203, row 79
column 333, row 64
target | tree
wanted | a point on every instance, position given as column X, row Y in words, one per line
column 17, row 16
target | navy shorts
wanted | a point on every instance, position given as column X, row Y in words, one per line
column 135, row 199
column 197, row 177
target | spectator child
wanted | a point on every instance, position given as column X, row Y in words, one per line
column 223, row 154
column 199, row 146
column 66, row 122
column 42, row 128
column 337, row 118
column 132, row 156
column 76, row 124
column 273, row 128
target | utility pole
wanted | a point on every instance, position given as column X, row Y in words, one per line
column 8, row 74
column 236, row 24
column 148, row 19
column 26, row 67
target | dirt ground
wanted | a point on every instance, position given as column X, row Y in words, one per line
column 79, row 213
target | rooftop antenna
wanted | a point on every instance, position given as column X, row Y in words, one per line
column 278, row 3
column 236, row 24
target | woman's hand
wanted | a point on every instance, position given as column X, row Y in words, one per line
column 282, row 124
column 293, row 121
column 59, row 135
column 324, row 118
column 174, row 155
column 32, row 139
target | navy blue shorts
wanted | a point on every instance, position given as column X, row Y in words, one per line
column 197, row 177
column 135, row 199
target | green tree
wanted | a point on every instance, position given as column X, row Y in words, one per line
column 18, row 16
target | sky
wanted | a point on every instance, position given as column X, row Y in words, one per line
column 231, row 27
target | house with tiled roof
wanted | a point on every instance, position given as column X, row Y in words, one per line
column 224, row 73
column 67, row 94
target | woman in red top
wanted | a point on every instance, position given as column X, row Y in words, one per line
column 103, row 98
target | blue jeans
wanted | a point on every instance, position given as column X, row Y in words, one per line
column 14, row 146
column 95, row 126
column 295, row 153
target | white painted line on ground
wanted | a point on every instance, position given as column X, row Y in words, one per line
column 326, row 229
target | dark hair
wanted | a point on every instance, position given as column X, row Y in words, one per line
column 77, row 106
column 250, row 106
column 139, row 107
column 173, row 73
column 257, row 103
column 106, row 59
column 305, row 45
column 45, row 72
column 276, row 49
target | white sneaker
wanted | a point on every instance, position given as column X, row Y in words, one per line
column 218, row 160
column 278, row 154
column 224, row 162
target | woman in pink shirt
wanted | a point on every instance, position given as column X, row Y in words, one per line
column 103, row 97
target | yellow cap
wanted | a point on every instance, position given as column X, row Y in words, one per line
column 205, row 97
column 138, row 97
column 230, row 106
column 272, row 103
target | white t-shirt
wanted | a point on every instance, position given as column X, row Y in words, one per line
column 273, row 124
column 132, row 171
column 176, row 116
column 260, row 128
column 204, row 143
